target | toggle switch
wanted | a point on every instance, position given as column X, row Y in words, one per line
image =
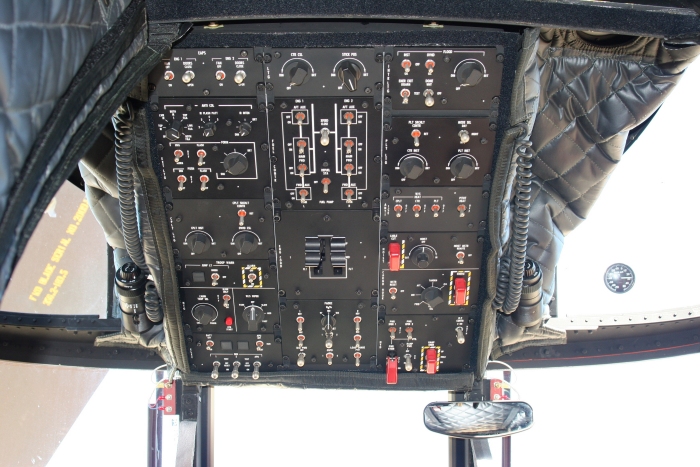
column 178, row 155
column 409, row 333
column 460, row 335
column 220, row 75
column 241, row 217
column 348, row 117
column 397, row 209
column 215, row 279
column 463, row 136
column 415, row 134
column 431, row 361
column 348, row 195
column 357, row 356
column 181, row 179
column 325, row 182
column 392, row 332
column 259, row 345
column 429, row 100
column 406, row 65
column 460, row 285
column 408, row 363
column 304, row 194
column 234, row 371
column 461, row 209
column 349, row 168
column 394, row 256
column 357, row 338
column 188, row 76
column 204, row 179
column 416, row 210
column 460, row 257
column 300, row 359
column 239, row 77
column 348, row 146
column 300, row 116
column 357, row 320
column 301, row 338
column 405, row 94
column 256, row 369
column 392, row 370
column 215, row 371
column 436, row 210
column 169, row 75
column 325, row 138
column 392, row 292
column 301, row 144
column 329, row 356
column 430, row 65
column 201, row 154
column 300, row 324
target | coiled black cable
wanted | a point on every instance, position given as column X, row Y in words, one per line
column 521, row 224
column 502, row 283
column 154, row 311
column 124, row 153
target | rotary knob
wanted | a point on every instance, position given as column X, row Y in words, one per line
column 298, row 73
column 199, row 242
column 209, row 129
column 204, row 313
column 432, row 296
column 244, row 129
column 349, row 74
column 412, row 167
column 236, row 163
column 173, row 131
column 253, row 314
column 422, row 256
column 469, row 73
column 246, row 242
column 462, row 167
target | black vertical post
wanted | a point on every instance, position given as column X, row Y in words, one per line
column 204, row 447
column 460, row 450
column 505, row 452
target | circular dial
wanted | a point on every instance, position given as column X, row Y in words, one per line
column 412, row 167
column 432, row 296
column 298, row 72
column 422, row 256
column 619, row 278
column 199, row 242
column 462, row 167
column 245, row 241
column 204, row 313
column 244, row 129
column 235, row 163
column 469, row 73
column 349, row 73
column 209, row 129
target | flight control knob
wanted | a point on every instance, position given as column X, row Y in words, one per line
column 244, row 129
column 462, row 167
column 199, row 242
column 469, row 73
column 349, row 73
column 253, row 314
column 246, row 242
column 173, row 132
column 432, row 296
column 235, row 163
column 209, row 129
column 204, row 313
column 298, row 73
column 412, row 167
column 422, row 256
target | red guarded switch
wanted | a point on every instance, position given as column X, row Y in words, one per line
column 394, row 256
column 460, row 291
column 431, row 361
column 392, row 370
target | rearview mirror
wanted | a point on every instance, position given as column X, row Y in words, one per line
column 485, row 419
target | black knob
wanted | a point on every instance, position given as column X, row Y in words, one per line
column 432, row 296
column 204, row 313
column 246, row 242
column 173, row 133
column 199, row 242
column 349, row 74
column 298, row 73
column 412, row 167
column 209, row 129
column 235, row 163
column 469, row 73
column 253, row 315
column 462, row 167
column 244, row 129
column 422, row 256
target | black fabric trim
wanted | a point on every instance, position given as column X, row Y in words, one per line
column 619, row 18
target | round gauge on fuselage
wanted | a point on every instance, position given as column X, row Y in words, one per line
column 619, row 278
